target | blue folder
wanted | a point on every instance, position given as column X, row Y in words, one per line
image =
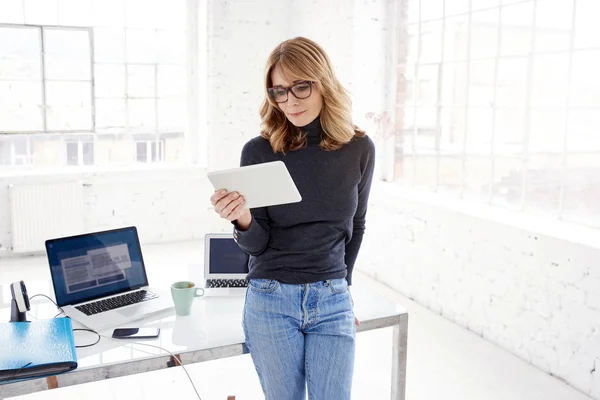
column 36, row 349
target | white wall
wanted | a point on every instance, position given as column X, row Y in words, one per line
column 531, row 288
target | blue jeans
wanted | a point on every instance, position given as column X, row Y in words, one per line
column 301, row 336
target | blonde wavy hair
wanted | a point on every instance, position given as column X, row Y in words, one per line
column 303, row 59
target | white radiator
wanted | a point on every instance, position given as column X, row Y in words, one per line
column 41, row 212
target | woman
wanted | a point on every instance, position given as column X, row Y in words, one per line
column 298, row 316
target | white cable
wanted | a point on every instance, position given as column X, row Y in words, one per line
column 158, row 347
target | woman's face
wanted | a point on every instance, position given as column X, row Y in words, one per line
column 299, row 112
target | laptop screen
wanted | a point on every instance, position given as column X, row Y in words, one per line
column 94, row 265
column 226, row 257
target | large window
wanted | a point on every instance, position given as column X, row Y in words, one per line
column 499, row 102
column 81, row 79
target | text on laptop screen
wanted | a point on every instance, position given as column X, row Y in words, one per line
column 226, row 257
column 94, row 265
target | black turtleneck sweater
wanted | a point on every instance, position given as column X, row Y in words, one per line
column 319, row 237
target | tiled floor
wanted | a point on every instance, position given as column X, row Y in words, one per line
column 444, row 360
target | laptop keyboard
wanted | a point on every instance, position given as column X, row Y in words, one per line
column 116, row 302
column 226, row 283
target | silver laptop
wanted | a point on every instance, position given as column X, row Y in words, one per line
column 100, row 279
column 225, row 266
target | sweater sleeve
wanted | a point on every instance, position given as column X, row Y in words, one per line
column 253, row 240
column 364, row 187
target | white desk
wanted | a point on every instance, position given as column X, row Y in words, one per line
column 212, row 331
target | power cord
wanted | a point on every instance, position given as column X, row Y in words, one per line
column 86, row 330
column 128, row 345
column 62, row 312
column 163, row 349
column 43, row 295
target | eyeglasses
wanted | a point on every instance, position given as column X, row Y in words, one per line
column 301, row 90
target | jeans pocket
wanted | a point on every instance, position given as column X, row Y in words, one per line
column 263, row 285
column 338, row 285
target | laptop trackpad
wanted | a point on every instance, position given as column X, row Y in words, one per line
column 131, row 311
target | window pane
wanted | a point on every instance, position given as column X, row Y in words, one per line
column 456, row 43
column 482, row 83
column 516, row 33
column 88, row 153
column 484, row 33
column 425, row 172
column 109, row 13
column 413, row 10
column 583, row 129
column 509, row 131
column 478, row 177
column 67, row 54
column 479, row 135
column 109, row 45
column 550, row 80
column 432, row 9
column 481, row 4
column 171, row 115
column 547, row 130
column 111, row 115
column 412, row 45
column 171, row 81
column 72, row 153
column 69, row 106
column 20, row 53
column 508, row 178
column 141, row 151
column 153, row 152
column 141, row 81
column 587, row 28
column 172, row 14
column 512, row 82
column 109, row 80
column 582, row 180
column 75, row 12
column 142, row 115
column 48, row 150
column 457, row 7
column 431, row 42
column 41, row 12
column 451, row 172
column 585, row 79
column 543, row 184
column 427, row 85
column 454, row 83
column 21, row 106
column 171, row 47
column 141, row 13
column 553, row 25
column 452, row 127
column 141, row 46
column 11, row 12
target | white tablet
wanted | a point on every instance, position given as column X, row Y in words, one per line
column 267, row 184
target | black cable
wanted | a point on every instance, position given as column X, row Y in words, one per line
column 87, row 330
column 74, row 330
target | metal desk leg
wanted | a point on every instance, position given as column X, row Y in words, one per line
column 399, row 359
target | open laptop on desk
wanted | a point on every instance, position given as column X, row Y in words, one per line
column 100, row 279
column 225, row 266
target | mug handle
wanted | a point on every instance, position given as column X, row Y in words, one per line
column 196, row 292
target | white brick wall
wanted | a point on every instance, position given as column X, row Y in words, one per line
column 533, row 294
